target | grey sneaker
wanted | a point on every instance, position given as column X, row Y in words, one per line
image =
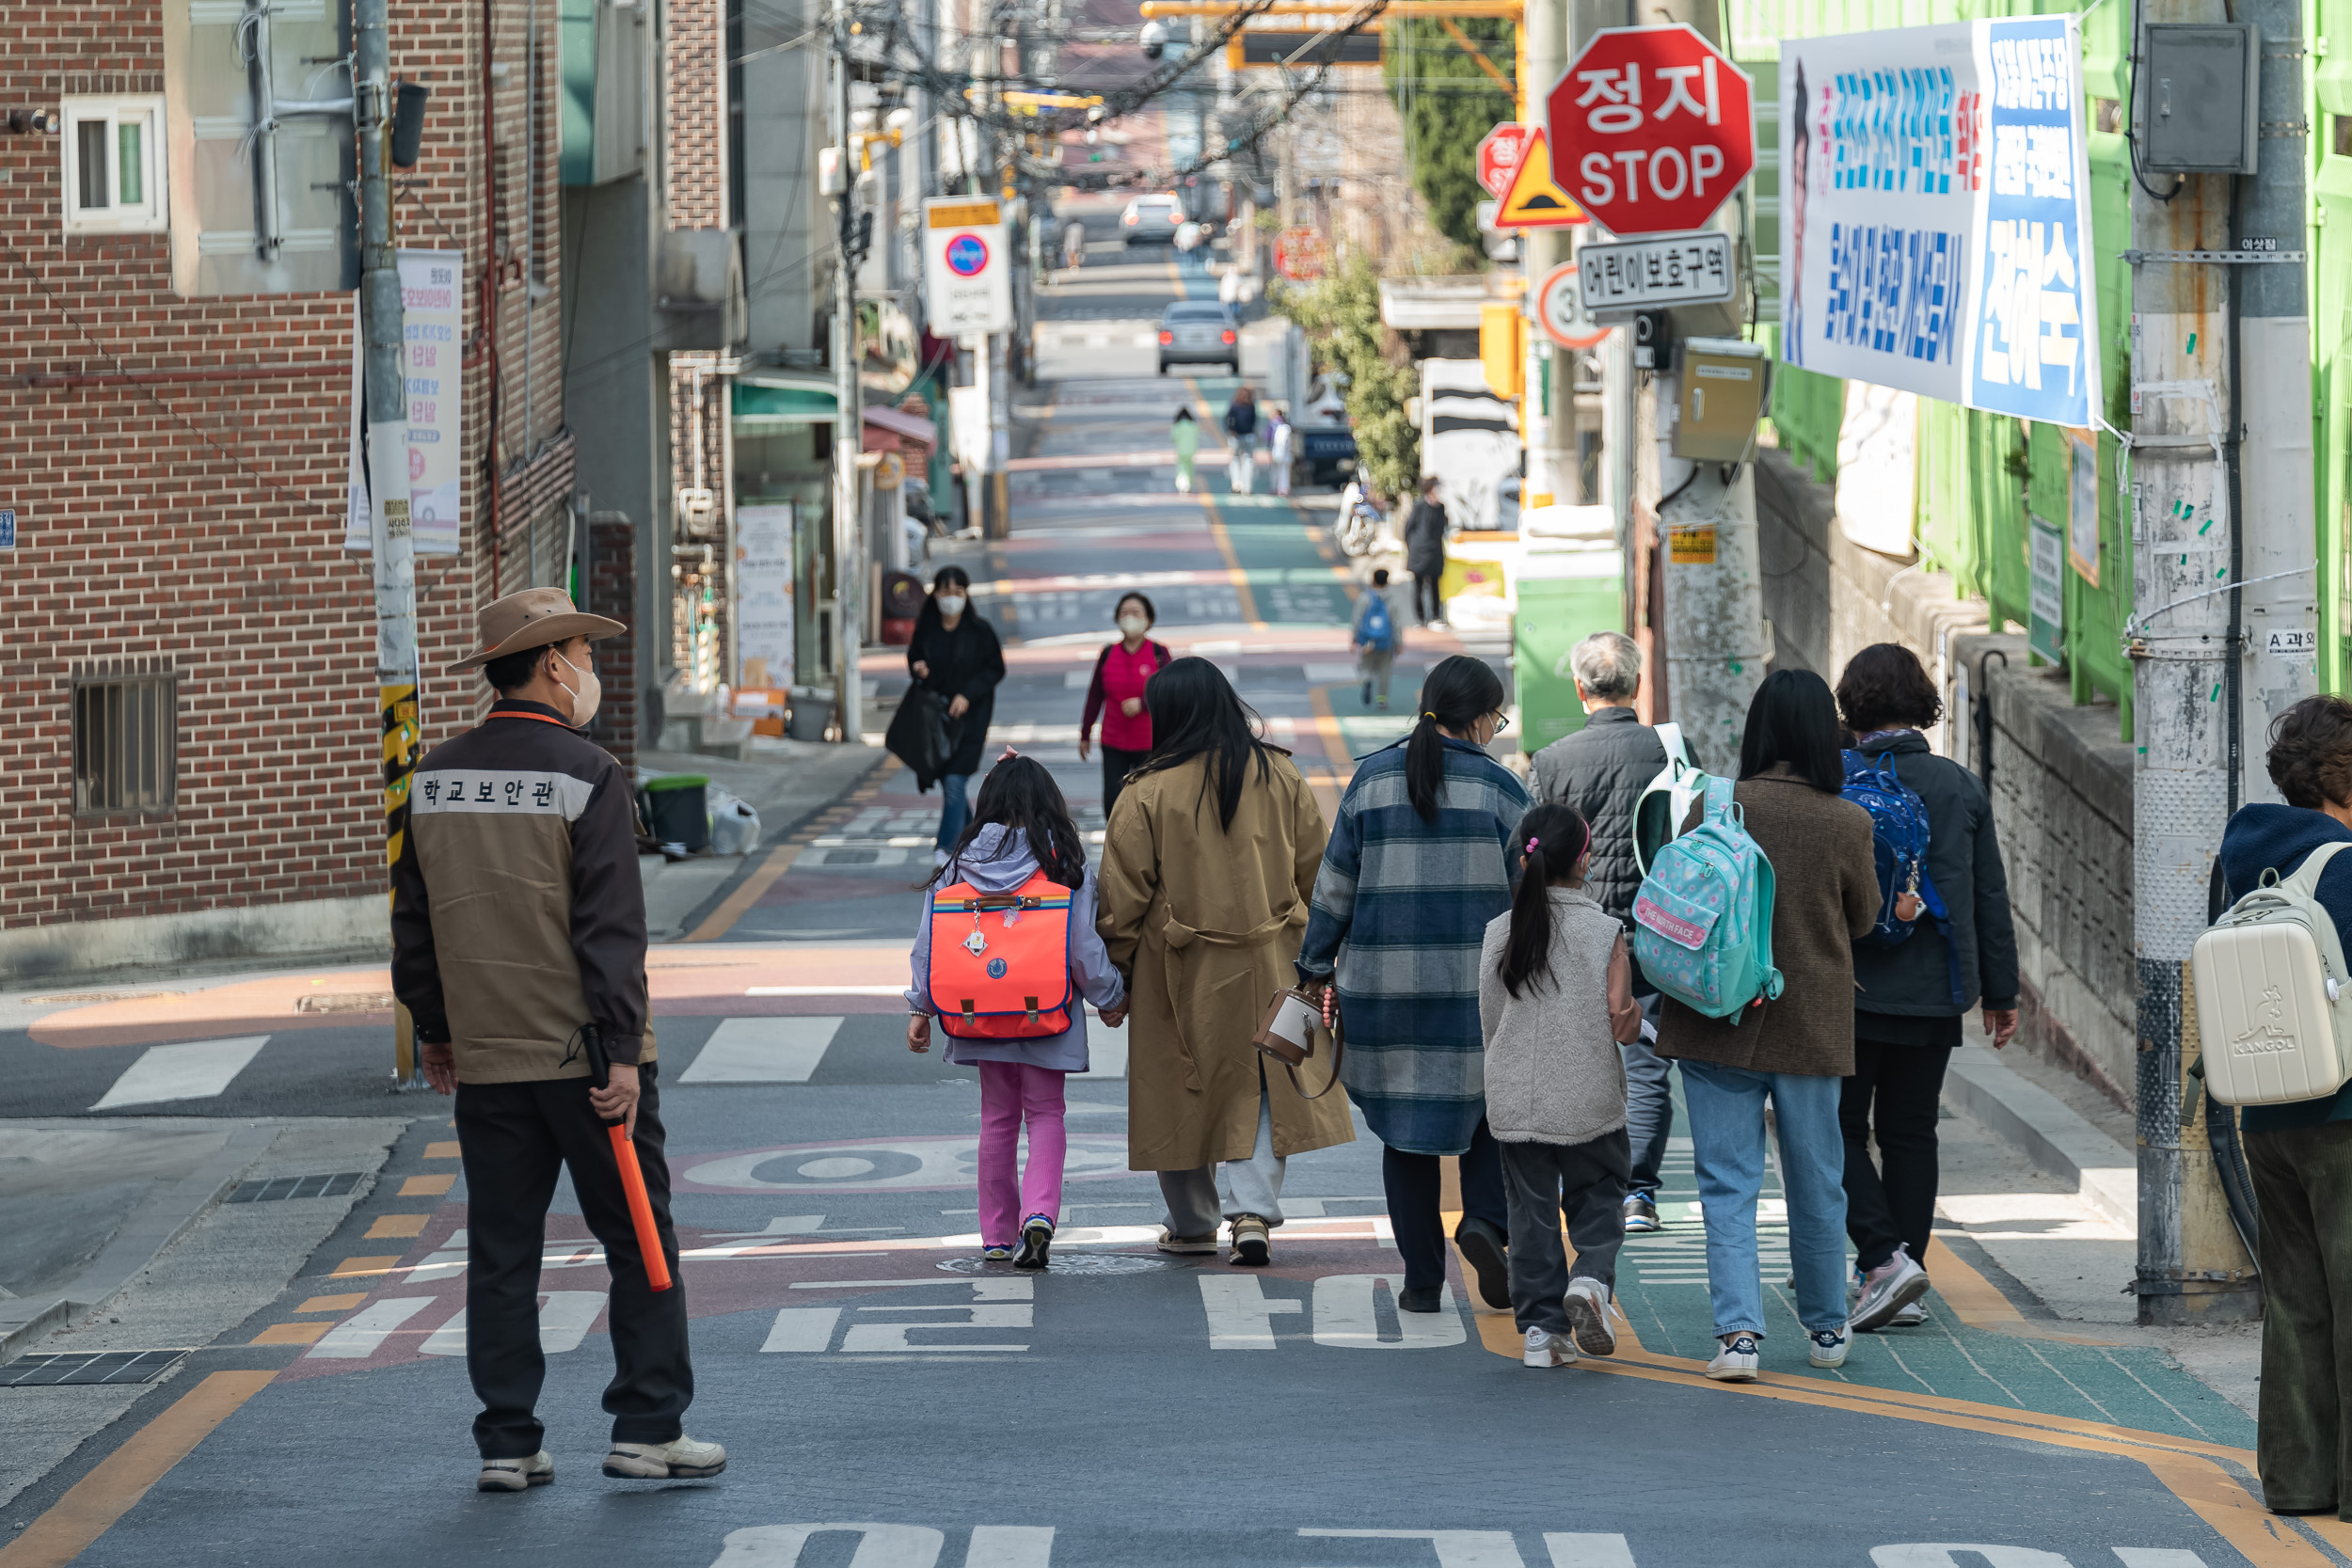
column 1910, row 1317
column 1170, row 1241
column 1641, row 1216
column 516, row 1475
column 681, row 1458
column 1887, row 1290
column 1588, row 1316
column 1546, row 1349
column 1735, row 1362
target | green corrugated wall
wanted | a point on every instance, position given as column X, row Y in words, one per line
column 1980, row 474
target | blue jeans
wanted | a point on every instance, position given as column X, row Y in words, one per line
column 955, row 807
column 1726, row 1106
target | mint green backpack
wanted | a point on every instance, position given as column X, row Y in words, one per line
column 1703, row 918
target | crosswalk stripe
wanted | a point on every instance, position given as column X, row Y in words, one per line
column 357, row 1336
column 564, row 1319
column 197, row 1071
column 763, row 1051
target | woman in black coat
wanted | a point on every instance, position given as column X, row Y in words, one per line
column 1909, row 999
column 954, row 655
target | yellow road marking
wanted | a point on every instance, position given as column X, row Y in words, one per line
column 443, row 1151
column 749, row 892
column 1979, row 1303
column 355, row 1268
column 91, row 1506
column 389, row 1226
column 427, row 1186
column 1334, row 750
column 1233, row 573
column 333, row 1304
column 292, row 1334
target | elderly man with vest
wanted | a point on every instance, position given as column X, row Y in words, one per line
column 1602, row 771
column 519, row 933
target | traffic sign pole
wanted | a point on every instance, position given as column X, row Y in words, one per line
column 1548, row 408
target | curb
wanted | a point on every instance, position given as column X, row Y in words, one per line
column 153, row 1227
column 2049, row 1131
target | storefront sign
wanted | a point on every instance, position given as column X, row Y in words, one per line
column 1936, row 214
column 763, row 595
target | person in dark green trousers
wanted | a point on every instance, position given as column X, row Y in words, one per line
column 2301, row 1153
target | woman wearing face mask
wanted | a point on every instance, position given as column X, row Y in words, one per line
column 1116, row 693
column 954, row 655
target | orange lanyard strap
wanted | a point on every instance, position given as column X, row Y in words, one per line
column 542, row 718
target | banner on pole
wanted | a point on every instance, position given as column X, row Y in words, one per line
column 433, row 307
column 1936, row 214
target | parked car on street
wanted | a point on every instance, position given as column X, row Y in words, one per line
column 1199, row 332
column 1151, row 220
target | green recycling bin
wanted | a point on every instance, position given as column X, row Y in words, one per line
column 1563, row 597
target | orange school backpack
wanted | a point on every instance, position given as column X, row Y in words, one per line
column 1000, row 962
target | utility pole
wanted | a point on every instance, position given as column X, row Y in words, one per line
column 2220, row 362
column 1548, row 403
column 849, row 431
column 392, row 548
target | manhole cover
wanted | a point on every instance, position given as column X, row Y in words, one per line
column 1071, row 1263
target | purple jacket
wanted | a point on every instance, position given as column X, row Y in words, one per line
column 993, row 865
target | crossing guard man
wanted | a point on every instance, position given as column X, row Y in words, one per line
column 519, row 926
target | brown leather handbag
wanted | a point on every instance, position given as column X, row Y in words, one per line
column 1288, row 1032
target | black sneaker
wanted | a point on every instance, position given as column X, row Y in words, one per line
column 1367, row 693
column 1485, row 1249
column 1641, row 1216
column 1037, row 1235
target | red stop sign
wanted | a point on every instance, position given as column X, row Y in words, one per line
column 1499, row 153
column 1652, row 129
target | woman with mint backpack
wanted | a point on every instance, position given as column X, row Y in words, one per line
column 1793, row 1052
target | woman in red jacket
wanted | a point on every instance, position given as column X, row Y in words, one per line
column 1116, row 693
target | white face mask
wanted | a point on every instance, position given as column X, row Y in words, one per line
column 951, row 605
column 585, row 699
column 1134, row 626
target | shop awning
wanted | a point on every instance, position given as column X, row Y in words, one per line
column 887, row 429
column 783, row 401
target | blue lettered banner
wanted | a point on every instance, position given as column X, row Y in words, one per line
column 1934, row 212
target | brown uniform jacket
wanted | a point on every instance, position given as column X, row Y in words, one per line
column 1204, row 922
column 1825, row 895
column 518, row 912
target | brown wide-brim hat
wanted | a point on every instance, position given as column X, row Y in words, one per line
column 533, row 618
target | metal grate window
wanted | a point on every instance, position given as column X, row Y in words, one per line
column 126, row 739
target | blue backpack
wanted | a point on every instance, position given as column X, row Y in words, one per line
column 1377, row 631
column 1899, row 841
column 1703, row 919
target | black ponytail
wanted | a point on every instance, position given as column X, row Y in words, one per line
column 1553, row 838
column 1019, row 794
column 1456, row 693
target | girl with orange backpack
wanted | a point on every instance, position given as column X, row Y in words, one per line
column 1004, row 959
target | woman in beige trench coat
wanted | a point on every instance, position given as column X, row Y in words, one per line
column 1208, row 862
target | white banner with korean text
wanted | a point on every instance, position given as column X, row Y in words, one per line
column 433, row 307
column 1936, row 214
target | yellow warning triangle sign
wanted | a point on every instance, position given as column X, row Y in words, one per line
column 1533, row 200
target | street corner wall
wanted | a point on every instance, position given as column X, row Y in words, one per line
column 2062, row 774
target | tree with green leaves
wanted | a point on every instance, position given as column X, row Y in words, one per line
column 1341, row 315
column 1449, row 103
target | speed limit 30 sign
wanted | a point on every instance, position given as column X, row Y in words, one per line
column 1652, row 129
column 1559, row 311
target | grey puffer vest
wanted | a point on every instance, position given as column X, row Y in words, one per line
column 1553, row 1074
column 1602, row 771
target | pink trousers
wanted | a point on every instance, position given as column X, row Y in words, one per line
column 1011, row 1094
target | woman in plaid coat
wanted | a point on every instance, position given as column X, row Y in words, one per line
column 1414, row 870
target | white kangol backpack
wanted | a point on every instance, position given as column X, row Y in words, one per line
column 2274, row 1003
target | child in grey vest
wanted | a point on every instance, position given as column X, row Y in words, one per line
column 1556, row 999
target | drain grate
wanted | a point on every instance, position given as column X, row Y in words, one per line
column 277, row 1189
column 106, row 1366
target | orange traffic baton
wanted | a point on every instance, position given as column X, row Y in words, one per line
column 633, row 1177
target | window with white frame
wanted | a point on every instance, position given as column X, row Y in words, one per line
column 113, row 166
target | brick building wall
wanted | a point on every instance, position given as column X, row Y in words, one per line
column 198, row 525
column 611, row 579
column 694, row 155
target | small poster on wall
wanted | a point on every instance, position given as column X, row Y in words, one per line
column 763, row 595
column 2045, row 622
column 2082, row 503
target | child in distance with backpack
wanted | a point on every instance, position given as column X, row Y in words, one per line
column 1005, row 957
column 1375, row 639
column 1555, row 1000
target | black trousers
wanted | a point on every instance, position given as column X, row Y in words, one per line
column 1891, row 1099
column 2303, row 1188
column 1117, row 765
column 1427, row 607
column 514, row 1138
column 1412, row 1183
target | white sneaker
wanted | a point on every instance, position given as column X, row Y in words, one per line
column 1588, row 1316
column 1891, row 1286
column 682, row 1457
column 1910, row 1317
column 1546, row 1349
column 1828, row 1347
column 516, row 1475
column 1736, row 1361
